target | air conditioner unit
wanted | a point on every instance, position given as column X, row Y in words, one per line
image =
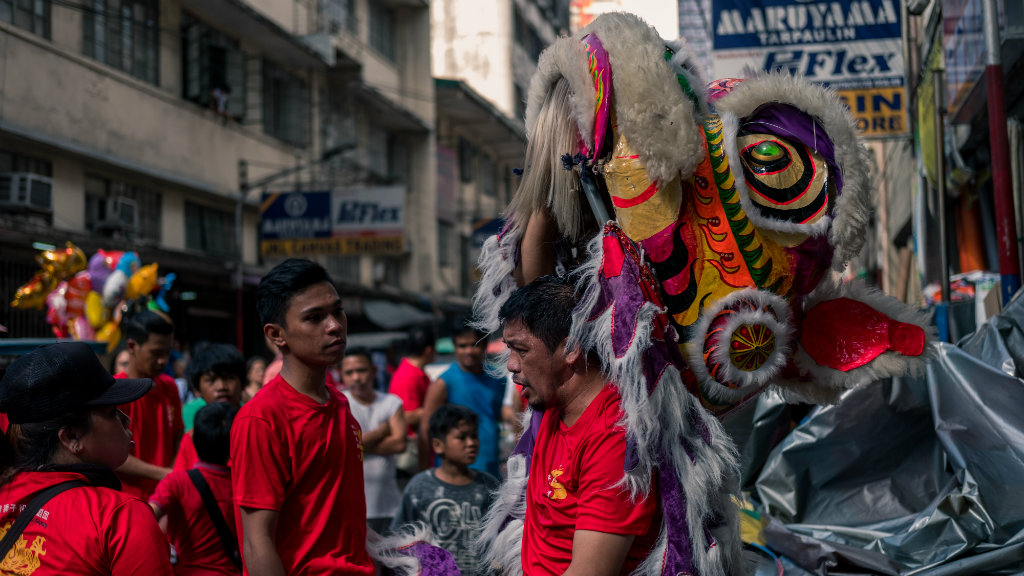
column 119, row 213
column 26, row 191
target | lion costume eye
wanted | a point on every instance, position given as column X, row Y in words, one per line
column 787, row 182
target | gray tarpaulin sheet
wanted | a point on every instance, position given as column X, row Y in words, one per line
column 921, row 476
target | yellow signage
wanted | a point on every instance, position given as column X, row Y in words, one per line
column 342, row 245
column 877, row 111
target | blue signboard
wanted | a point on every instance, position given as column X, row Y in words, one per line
column 296, row 215
column 854, row 46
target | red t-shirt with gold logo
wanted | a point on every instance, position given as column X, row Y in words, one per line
column 573, row 485
column 304, row 460
column 83, row 531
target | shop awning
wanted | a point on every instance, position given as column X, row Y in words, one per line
column 395, row 315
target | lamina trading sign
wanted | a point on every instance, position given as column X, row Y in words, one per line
column 855, row 46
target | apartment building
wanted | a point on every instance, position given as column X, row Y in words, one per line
column 483, row 55
column 162, row 126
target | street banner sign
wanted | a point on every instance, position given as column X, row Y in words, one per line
column 338, row 222
column 854, row 46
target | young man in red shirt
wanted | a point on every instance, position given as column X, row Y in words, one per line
column 296, row 453
column 579, row 520
column 156, row 423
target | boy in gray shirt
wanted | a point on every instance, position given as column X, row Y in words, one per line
column 451, row 499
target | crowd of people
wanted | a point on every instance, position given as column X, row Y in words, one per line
column 281, row 468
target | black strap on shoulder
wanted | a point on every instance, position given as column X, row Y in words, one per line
column 26, row 515
column 227, row 539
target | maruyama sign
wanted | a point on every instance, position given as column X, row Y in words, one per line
column 854, row 46
column 341, row 221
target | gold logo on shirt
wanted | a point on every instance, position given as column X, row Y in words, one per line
column 23, row 559
column 557, row 491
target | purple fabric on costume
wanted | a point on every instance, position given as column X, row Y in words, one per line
column 810, row 259
column 434, row 561
column 678, row 549
column 789, row 122
column 529, row 438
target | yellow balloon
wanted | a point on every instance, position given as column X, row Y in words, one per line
column 94, row 310
column 109, row 333
column 142, row 282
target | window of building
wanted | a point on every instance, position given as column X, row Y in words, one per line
column 119, row 209
column 526, row 35
column 467, row 161
column 209, row 230
column 213, row 68
column 31, row 15
column 445, row 243
column 338, row 15
column 488, row 179
column 382, row 30
column 286, row 106
column 11, row 162
column 124, row 34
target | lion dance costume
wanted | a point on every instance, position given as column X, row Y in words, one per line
column 720, row 216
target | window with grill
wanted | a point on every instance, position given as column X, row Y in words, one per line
column 119, row 209
column 445, row 243
column 124, row 34
column 382, row 30
column 286, row 106
column 209, row 230
column 213, row 68
column 31, row 15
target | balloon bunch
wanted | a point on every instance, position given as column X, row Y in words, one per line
column 85, row 299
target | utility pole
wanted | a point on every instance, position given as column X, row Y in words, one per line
column 1002, row 185
column 942, row 308
column 243, row 191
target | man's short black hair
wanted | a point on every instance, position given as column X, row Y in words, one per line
column 464, row 325
column 447, row 418
column 218, row 359
column 545, row 307
column 211, row 432
column 420, row 338
column 283, row 282
column 359, row 352
column 141, row 325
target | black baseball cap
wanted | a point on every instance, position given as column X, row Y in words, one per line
column 59, row 378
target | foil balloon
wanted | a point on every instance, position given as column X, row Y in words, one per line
column 62, row 263
column 57, row 310
column 161, row 298
column 142, row 282
column 32, row 294
column 109, row 333
column 94, row 310
column 80, row 329
column 102, row 263
column 78, row 288
column 128, row 263
column 114, row 287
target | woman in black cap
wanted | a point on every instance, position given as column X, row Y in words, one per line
column 61, row 508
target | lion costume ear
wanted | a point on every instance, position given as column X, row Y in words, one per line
column 811, row 124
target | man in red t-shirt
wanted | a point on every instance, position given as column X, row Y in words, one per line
column 296, row 450
column 410, row 382
column 578, row 518
column 156, row 423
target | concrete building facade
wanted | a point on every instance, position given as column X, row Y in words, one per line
column 140, row 122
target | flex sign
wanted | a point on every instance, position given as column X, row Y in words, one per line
column 341, row 221
column 855, row 46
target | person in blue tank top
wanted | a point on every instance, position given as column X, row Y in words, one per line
column 467, row 384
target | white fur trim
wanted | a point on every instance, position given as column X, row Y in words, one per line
column 853, row 207
column 501, row 536
column 566, row 57
column 385, row 549
column 497, row 265
column 781, row 326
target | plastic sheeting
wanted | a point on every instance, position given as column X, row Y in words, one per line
column 905, row 476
